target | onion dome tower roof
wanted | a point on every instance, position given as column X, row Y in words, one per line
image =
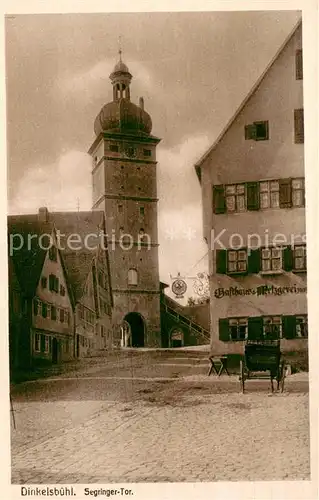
column 121, row 115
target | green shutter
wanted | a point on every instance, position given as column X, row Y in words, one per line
column 288, row 258
column 224, row 330
column 221, row 261
column 299, row 126
column 289, row 327
column 42, row 337
column 255, row 328
column 254, row 261
column 250, row 131
column 252, row 196
column 285, row 193
column 299, row 68
column 219, row 202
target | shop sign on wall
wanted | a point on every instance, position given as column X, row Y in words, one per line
column 258, row 291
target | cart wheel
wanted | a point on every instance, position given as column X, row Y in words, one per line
column 283, row 376
column 242, row 376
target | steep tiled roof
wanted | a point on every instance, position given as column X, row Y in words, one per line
column 76, row 260
column 28, row 260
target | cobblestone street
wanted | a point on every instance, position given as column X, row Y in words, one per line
column 175, row 424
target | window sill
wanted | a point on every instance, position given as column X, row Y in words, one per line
column 237, row 273
column 299, row 271
column 271, row 273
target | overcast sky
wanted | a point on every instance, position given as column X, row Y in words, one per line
column 193, row 70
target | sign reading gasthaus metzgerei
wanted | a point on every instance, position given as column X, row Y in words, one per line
column 259, row 291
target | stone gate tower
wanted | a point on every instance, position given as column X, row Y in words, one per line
column 124, row 186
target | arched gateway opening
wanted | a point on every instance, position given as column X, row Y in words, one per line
column 137, row 329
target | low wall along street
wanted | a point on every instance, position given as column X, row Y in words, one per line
column 259, row 291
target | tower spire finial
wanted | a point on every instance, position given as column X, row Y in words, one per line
column 120, row 47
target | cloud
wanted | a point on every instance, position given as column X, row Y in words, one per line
column 94, row 82
column 63, row 185
column 180, row 209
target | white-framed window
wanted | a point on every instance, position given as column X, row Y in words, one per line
column 132, row 277
column 238, row 328
column 37, row 342
column 300, row 258
column 236, row 261
column 46, row 344
column 269, row 194
column 298, row 192
column 271, row 259
column 302, row 326
column 235, row 197
column 272, row 328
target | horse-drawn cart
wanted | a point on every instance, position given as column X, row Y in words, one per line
column 263, row 360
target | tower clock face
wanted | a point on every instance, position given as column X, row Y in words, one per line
column 129, row 151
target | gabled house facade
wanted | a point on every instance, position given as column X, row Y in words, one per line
column 253, row 192
column 40, row 306
column 52, row 315
column 60, row 303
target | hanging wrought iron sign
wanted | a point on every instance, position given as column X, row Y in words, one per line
column 201, row 284
column 179, row 286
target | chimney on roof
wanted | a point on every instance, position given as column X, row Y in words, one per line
column 142, row 102
column 43, row 214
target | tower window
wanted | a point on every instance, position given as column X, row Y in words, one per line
column 142, row 211
column 120, row 209
column 147, row 152
column 114, row 148
column 132, row 277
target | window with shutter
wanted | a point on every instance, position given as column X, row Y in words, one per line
column 302, row 326
column 299, row 258
column 299, row 126
column 285, row 193
column 252, row 196
column 224, row 329
column 42, row 343
column 250, row 132
column 272, row 327
column 35, row 306
column 289, row 327
column 299, row 69
column 51, row 282
column 254, row 261
column 237, row 261
column 221, row 261
column 219, row 203
column 255, row 328
column 44, row 310
column 287, row 258
column 298, row 192
column 262, row 131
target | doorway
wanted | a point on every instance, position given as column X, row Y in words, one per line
column 177, row 338
column 55, row 350
column 137, row 327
